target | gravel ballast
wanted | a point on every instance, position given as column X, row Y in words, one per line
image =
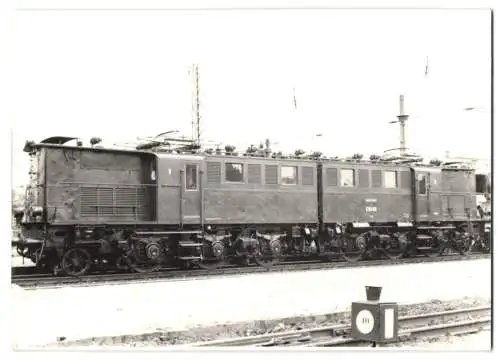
column 258, row 327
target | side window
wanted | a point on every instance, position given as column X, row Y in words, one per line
column 347, row 177
column 390, row 179
column 422, row 184
column 289, row 175
column 234, row 172
column 191, row 177
column 481, row 183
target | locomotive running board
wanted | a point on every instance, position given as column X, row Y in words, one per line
column 146, row 233
column 446, row 227
column 189, row 244
column 358, row 225
column 189, row 258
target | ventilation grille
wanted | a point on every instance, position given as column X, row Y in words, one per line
column 364, row 180
column 376, row 178
column 254, row 173
column 307, row 175
column 213, row 172
column 129, row 202
column 331, row 177
column 271, row 174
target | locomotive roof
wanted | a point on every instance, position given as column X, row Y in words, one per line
column 60, row 142
column 40, row 145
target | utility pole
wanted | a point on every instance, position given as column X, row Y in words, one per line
column 195, row 123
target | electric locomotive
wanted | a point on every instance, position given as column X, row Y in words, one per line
column 141, row 210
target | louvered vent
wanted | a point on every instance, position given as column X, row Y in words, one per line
column 376, row 178
column 331, row 177
column 123, row 202
column 254, row 173
column 271, row 174
column 105, row 201
column 128, row 199
column 307, row 175
column 88, row 201
column 213, row 172
column 364, row 180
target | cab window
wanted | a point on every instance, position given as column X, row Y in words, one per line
column 422, row 184
column 191, row 177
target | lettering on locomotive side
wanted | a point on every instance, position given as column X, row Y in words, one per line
column 371, row 209
column 371, row 200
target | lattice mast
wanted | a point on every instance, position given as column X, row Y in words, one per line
column 195, row 122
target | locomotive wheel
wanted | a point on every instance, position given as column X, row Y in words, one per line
column 144, row 256
column 216, row 258
column 268, row 261
column 122, row 264
column 354, row 248
column 396, row 248
column 76, row 262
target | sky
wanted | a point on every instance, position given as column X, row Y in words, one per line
column 123, row 75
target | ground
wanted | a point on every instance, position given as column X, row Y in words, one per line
column 473, row 342
column 86, row 312
column 167, row 339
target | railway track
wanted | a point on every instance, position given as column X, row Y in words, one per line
column 37, row 280
column 453, row 322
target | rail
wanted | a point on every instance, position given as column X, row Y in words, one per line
column 37, row 280
column 449, row 322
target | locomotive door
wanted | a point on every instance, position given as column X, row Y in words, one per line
column 169, row 191
column 191, row 193
column 179, row 185
column 427, row 196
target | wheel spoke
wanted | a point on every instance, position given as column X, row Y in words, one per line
column 76, row 262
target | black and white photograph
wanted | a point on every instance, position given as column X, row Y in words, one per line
column 268, row 176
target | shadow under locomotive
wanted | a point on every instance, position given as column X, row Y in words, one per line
column 143, row 210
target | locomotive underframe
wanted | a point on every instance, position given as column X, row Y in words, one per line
column 75, row 249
